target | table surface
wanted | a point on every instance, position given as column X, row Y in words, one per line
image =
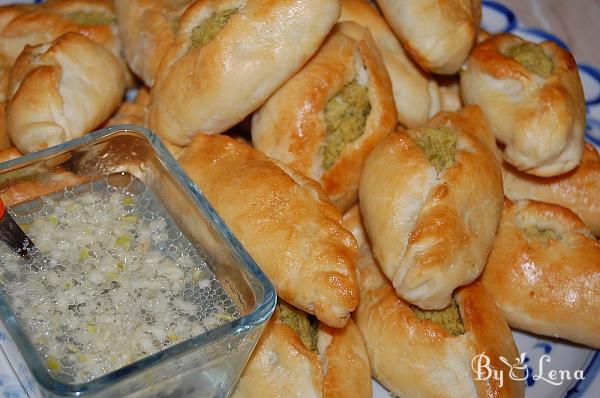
column 576, row 22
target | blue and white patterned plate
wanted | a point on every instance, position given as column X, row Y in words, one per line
column 541, row 355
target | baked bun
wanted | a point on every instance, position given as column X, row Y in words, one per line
column 448, row 94
column 9, row 153
column 416, row 353
column 32, row 25
column 431, row 200
column 577, row 190
column 326, row 119
column 532, row 96
column 312, row 360
column 133, row 112
column 228, row 57
column 415, row 92
column 4, row 80
column 438, row 34
column 284, row 220
column 147, row 29
column 544, row 272
column 62, row 90
column 4, row 138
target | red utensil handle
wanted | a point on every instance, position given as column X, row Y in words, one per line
column 2, row 210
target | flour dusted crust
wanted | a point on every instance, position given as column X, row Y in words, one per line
column 419, row 358
column 282, row 367
column 577, row 190
column 284, row 220
column 61, row 90
column 416, row 95
column 36, row 24
column 147, row 29
column 212, row 87
column 291, row 125
column 544, row 272
column 438, row 34
column 540, row 120
column 432, row 232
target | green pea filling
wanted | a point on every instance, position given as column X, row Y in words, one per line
column 208, row 29
column 448, row 318
column 303, row 324
column 532, row 57
column 345, row 117
column 544, row 235
column 438, row 144
column 91, row 18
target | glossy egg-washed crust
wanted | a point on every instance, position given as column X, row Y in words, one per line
column 62, row 90
column 419, row 358
column 540, row 120
column 281, row 366
column 577, row 190
column 432, row 233
column 546, row 284
column 438, row 34
column 284, row 220
column 216, row 85
column 22, row 25
column 291, row 125
column 415, row 92
column 147, row 29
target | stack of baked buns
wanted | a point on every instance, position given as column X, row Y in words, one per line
column 411, row 185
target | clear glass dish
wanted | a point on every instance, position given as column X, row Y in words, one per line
column 206, row 365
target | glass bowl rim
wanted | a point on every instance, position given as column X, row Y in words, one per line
column 261, row 284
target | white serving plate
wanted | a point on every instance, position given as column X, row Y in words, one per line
column 560, row 355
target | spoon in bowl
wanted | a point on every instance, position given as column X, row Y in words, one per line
column 12, row 234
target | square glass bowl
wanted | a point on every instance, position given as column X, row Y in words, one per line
column 204, row 365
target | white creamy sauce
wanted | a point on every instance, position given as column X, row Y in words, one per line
column 118, row 280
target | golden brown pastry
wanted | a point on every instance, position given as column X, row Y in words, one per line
column 438, row 34
column 229, row 57
column 431, row 200
column 32, row 25
column 544, row 272
column 284, row 220
column 297, row 357
column 532, row 96
column 416, row 94
column 448, row 94
column 147, row 29
column 133, row 112
column 416, row 353
column 577, row 190
column 61, row 90
column 4, row 138
column 326, row 119
column 4, row 80
column 9, row 153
